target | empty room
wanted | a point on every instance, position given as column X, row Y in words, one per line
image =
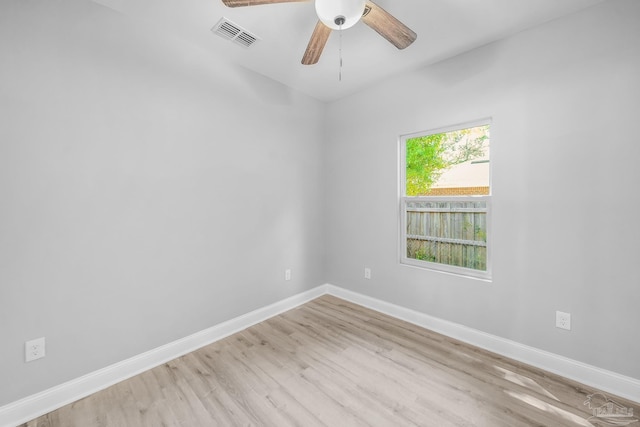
column 319, row 213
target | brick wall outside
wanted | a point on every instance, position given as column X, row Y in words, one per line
column 459, row 191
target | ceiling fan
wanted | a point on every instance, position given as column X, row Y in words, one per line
column 342, row 14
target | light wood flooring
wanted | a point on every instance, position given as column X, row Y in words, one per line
column 333, row 363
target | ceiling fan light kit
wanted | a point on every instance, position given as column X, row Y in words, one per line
column 342, row 14
column 339, row 14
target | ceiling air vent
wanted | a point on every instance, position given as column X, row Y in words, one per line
column 234, row 32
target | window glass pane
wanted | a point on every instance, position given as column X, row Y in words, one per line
column 448, row 232
column 446, row 200
column 454, row 163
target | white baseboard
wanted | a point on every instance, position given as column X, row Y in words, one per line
column 31, row 407
column 592, row 376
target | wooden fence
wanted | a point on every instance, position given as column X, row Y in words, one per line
column 447, row 232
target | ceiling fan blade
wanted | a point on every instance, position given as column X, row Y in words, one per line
column 242, row 3
column 316, row 44
column 388, row 26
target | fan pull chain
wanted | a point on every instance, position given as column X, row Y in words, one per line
column 340, row 70
column 340, row 20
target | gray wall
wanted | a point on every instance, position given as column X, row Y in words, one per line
column 565, row 102
column 146, row 193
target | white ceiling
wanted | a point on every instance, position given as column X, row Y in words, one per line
column 445, row 28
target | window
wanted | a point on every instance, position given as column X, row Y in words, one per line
column 445, row 200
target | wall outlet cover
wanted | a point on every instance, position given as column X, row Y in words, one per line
column 34, row 349
column 563, row 320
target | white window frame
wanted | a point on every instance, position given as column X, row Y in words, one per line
column 403, row 199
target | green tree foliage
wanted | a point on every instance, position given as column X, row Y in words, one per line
column 429, row 156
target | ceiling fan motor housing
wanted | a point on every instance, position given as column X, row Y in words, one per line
column 339, row 14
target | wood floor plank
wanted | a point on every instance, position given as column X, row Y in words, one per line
column 333, row 363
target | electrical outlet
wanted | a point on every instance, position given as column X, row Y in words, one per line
column 34, row 349
column 563, row 320
column 367, row 273
column 287, row 274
